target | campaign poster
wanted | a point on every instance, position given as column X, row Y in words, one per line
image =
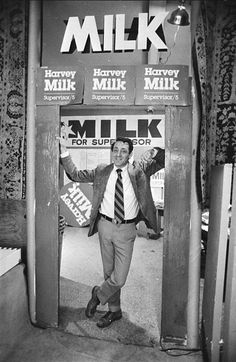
column 101, row 130
column 109, row 85
column 76, row 203
column 60, row 85
column 162, row 85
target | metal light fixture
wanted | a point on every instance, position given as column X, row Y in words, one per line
column 179, row 16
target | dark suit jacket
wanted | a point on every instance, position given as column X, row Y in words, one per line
column 139, row 173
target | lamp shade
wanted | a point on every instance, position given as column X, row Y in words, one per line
column 179, row 17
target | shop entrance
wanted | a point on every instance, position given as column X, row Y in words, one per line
column 176, row 224
column 90, row 132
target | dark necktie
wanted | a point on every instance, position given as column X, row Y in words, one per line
column 119, row 198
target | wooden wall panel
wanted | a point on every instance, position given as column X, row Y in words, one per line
column 47, row 201
column 229, row 318
column 216, row 259
column 178, row 159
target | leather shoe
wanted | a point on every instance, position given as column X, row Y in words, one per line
column 92, row 304
column 108, row 318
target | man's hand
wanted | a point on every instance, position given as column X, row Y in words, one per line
column 62, row 142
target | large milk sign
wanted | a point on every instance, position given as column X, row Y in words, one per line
column 102, row 130
column 114, row 37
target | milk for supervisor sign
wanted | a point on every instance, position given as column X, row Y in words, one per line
column 101, row 130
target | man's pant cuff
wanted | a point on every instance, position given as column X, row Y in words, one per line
column 102, row 297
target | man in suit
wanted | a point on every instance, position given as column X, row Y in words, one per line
column 121, row 198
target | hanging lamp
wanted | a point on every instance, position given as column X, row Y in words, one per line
column 179, row 16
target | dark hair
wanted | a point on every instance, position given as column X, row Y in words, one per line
column 125, row 140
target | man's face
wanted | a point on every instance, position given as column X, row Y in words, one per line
column 120, row 154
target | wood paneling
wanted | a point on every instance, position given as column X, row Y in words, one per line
column 176, row 222
column 216, row 259
column 47, row 218
column 229, row 319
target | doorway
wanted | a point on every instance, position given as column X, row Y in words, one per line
column 178, row 164
column 91, row 131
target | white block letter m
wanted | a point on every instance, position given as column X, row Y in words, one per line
column 80, row 34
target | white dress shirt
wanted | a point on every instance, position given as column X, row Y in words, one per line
column 130, row 201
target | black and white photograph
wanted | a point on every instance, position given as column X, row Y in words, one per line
column 117, row 180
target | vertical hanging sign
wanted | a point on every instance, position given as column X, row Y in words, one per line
column 109, row 85
column 162, row 84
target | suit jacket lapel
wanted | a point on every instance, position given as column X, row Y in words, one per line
column 104, row 176
column 131, row 173
column 105, row 173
